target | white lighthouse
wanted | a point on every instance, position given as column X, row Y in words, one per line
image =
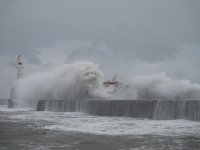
column 19, row 67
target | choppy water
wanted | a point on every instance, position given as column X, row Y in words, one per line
column 135, row 134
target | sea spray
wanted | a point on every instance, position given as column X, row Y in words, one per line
column 160, row 86
column 83, row 80
column 78, row 80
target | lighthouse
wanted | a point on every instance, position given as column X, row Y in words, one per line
column 19, row 69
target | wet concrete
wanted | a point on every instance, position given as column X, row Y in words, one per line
column 152, row 109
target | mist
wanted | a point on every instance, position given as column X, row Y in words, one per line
column 84, row 80
column 124, row 37
column 160, row 86
column 79, row 80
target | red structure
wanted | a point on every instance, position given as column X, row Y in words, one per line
column 113, row 82
column 107, row 83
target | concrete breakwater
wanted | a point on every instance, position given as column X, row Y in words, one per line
column 152, row 109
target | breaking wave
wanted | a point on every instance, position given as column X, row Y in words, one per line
column 160, row 86
column 83, row 80
column 78, row 80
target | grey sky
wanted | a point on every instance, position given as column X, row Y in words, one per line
column 123, row 36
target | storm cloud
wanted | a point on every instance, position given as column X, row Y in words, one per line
column 123, row 36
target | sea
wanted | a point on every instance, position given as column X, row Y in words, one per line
column 27, row 129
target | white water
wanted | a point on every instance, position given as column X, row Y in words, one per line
column 160, row 86
column 80, row 122
column 70, row 81
column 83, row 80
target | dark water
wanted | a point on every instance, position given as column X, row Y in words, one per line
column 31, row 130
column 25, row 136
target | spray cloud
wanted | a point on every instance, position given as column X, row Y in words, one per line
column 160, row 86
column 78, row 80
column 83, row 80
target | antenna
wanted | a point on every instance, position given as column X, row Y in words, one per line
column 19, row 67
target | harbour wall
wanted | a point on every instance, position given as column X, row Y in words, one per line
column 152, row 109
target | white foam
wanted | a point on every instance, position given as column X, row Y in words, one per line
column 83, row 80
column 79, row 122
column 5, row 109
column 160, row 86
column 70, row 81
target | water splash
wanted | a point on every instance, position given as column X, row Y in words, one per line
column 83, row 80
column 78, row 80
